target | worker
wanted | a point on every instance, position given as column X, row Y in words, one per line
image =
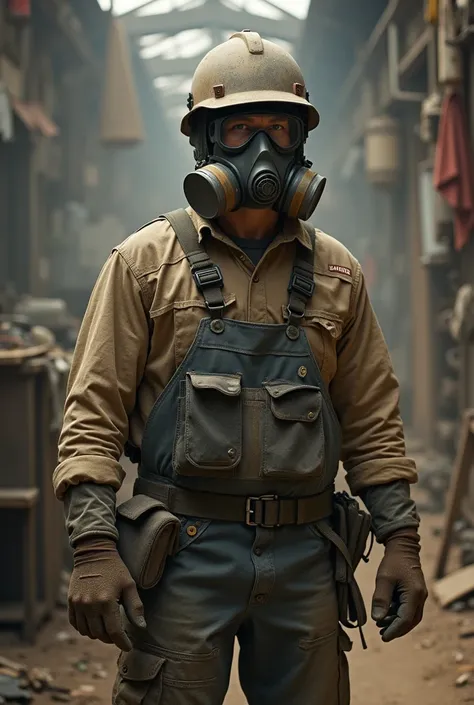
column 231, row 349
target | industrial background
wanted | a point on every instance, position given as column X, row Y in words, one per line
column 91, row 95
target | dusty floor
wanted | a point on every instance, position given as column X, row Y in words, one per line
column 418, row 670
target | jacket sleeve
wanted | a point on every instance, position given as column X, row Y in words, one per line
column 89, row 511
column 108, row 364
column 365, row 394
column 391, row 508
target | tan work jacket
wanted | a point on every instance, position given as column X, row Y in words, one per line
column 142, row 317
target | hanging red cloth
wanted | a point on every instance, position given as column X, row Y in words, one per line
column 453, row 169
column 19, row 9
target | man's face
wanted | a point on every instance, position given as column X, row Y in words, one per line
column 237, row 130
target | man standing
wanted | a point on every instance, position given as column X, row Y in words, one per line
column 234, row 352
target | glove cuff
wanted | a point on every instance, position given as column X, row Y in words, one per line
column 407, row 534
column 94, row 545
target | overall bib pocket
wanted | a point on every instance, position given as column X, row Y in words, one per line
column 293, row 432
column 208, row 440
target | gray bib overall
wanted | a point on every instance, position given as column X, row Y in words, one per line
column 243, row 444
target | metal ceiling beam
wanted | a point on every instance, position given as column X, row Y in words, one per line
column 221, row 17
column 173, row 67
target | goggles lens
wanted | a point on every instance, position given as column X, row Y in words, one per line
column 286, row 131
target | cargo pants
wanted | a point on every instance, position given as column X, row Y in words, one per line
column 272, row 589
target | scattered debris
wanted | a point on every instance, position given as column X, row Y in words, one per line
column 458, row 656
column 456, row 589
column 458, row 606
column 18, row 683
column 81, row 665
column 10, row 690
column 83, row 690
column 100, row 672
column 467, row 631
column 66, row 637
column 40, row 679
column 462, row 680
column 84, row 694
column 428, row 643
column 16, row 667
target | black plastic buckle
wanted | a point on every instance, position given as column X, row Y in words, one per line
column 207, row 277
column 251, row 510
column 291, row 315
column 302, row 284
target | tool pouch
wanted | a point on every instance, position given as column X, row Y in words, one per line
column 348, row 531
column 148, row 534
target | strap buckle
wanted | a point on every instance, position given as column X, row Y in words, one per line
column 291, row 314
column 301, row 283
column 255, row 511
column 207, row 277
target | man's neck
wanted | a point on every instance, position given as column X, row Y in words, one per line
column 250, row 223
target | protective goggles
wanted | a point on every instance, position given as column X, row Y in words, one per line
column 233, row 133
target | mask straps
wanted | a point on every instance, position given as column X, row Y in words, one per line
column 301, row 286
column 206, row 274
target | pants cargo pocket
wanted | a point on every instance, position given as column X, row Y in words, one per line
column 327, row 665
column 191, row 678
column 208, row 440
column 345, row 645
column 139, row 680
column 293, row 440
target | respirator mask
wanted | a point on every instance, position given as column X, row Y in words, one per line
column 254, row 161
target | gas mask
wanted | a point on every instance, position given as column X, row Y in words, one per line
column 255, row 162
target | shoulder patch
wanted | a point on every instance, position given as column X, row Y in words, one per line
column 340, row 269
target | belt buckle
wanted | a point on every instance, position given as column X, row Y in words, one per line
column 250, row 510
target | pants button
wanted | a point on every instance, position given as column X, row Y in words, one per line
column 259, row 599
column 257, row 551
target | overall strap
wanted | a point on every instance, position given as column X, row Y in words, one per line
column 301, row 286
column 206, row 274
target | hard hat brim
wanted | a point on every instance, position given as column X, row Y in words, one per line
column 252, row 98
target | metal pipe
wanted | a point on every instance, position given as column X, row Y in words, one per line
column 377, row 34
column 393, row 70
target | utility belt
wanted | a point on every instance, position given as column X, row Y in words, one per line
column 269, row 511
column 149, row 531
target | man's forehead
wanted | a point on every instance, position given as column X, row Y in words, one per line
column 258, row 116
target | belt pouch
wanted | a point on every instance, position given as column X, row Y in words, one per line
column 356, row 530
column 351, row 527
column 148, row 534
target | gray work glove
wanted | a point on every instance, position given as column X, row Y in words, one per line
column 400, row 591
column 100, row 582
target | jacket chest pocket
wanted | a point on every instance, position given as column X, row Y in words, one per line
column 293, row 432
column 323, row 329
column 208, row 441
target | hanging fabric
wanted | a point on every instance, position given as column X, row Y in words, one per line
column 432, row 11
column 453, row 170
column 121, row 120
column 19, row 9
